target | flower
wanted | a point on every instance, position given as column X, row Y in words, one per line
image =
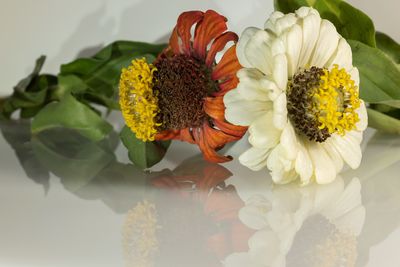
column 298, row 93
column 180, row 95
column 317, row 225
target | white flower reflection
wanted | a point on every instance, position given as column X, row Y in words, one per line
column 302, row 226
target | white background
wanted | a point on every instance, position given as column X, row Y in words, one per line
column 65, row 29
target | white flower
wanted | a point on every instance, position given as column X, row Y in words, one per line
column 315, row 224
column 298, row 93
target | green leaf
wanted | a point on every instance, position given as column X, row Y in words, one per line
column 24, row 83
column 70, row 113
column 100, row 74
column 143, row 154
column 383, row 122
column 30, row 94
column 379, row 76
column 389, row 46
column 349, row 21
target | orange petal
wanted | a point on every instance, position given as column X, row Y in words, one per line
column 185, row 22
column 218, row 45
column 230, row 129
column 212, row 25
column 174, row 41
column 166, row 135
column 186, row 135
column 214, row 107
column 209, row 153
column 228, row 66
column 216, row 138
column 226, row 86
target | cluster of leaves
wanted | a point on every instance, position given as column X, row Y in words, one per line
column 376, row 55
column 80, row 96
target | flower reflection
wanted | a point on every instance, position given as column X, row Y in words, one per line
column 303, row 226
column 193, row 218
column 202, row 214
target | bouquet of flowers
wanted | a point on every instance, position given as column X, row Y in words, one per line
column 305, row 87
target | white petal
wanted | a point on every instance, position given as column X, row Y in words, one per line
column 263, row 134
column 334, row 155
column 280, row 111
column 280, row 71
column 258, row 51
column 240, row 111
column 284, row 177
column 254, row 158
column 277, row 47
column 324, row 169
column 348, row 148
column 311, row 25
column 282, row 168
column 272, row 19
column 243, row 40
column 293, row 48
column 343, row 56
column 362, row 114
column 271, row 87
column 355, row 76
column 283, row 23
column 305, row 11
column 303, row 165
column 289, row 142
column 326, row 45
column 250, row 86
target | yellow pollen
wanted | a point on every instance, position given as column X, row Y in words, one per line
column 138, row 101
column 335, row 101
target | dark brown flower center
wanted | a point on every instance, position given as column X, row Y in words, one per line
column 181, row 84
column 299, row 104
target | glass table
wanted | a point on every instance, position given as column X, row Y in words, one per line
column 66, row 201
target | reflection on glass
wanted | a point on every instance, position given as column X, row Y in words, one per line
column 202, row 214
column 191, row 220
column 303, row 226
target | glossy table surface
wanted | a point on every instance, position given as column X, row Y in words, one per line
column 65, row 201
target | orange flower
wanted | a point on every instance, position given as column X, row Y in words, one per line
column 180, row 95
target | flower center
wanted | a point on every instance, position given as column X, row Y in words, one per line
column 139, row 104
column 182, row 83
column 167, row 95
column 321, row 102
